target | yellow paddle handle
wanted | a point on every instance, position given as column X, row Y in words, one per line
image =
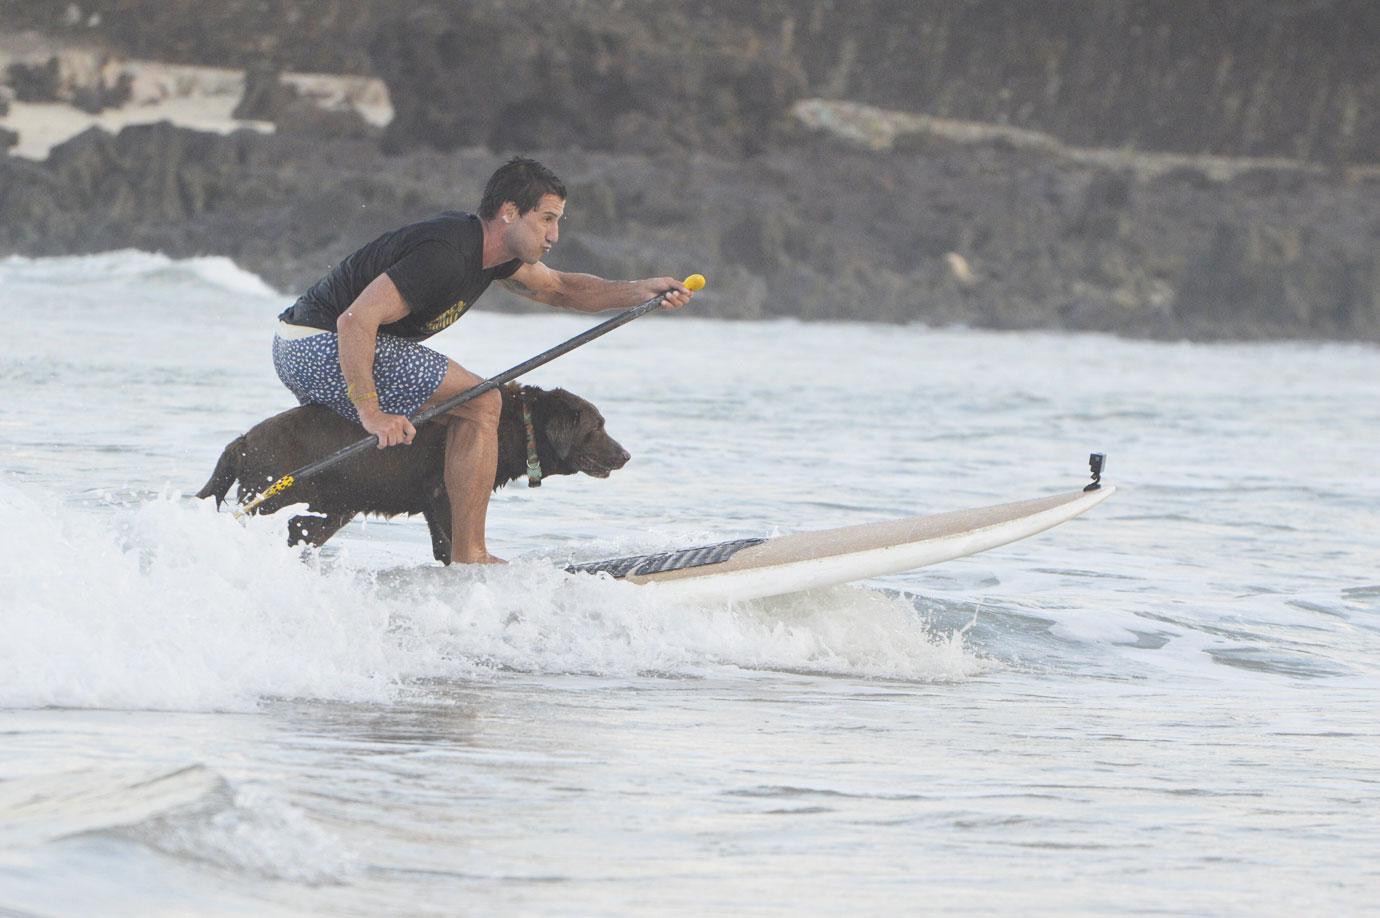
column 278, row 487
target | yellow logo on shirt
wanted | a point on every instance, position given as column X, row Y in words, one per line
column 447, row 318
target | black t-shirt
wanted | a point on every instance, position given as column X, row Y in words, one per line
column 437, row 266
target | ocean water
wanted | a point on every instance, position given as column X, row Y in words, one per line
column 1169, row 705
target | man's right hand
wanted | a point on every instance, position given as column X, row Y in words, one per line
column 391, row 429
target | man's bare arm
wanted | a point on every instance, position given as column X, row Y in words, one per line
column 587, row 293
column 358, row 327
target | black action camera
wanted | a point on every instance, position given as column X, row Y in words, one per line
column 1095, row 463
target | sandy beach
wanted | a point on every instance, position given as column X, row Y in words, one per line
column 200, row 98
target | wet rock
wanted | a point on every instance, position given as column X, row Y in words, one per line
column 266, row 97
column 311, row 120
column 580, row 79
column 986, row 237
column 757, row 242
column 87, row 90
column 1267, row 278
column 1106, row 207
column 97, row 96
column 595, row 207
column 35, row 82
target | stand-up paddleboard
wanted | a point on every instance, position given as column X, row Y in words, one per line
column 755, row 568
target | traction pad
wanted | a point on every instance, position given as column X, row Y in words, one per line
column 618, row 568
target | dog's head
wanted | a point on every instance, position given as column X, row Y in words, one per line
column 571, row 436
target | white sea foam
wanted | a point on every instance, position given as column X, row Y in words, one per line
column 168, row 605
column 132, row 266
column 171, row 605
column 532, row 617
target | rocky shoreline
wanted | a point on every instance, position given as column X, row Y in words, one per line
column 808, row 215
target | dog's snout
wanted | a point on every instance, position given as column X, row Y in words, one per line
column 614, row 455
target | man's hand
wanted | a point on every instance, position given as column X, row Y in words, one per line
column 677, row 295
column 587, row 293
column 391, row 429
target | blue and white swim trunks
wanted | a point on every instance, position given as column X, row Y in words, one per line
column 308, row 363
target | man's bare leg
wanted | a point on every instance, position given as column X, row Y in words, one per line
column 470, row 464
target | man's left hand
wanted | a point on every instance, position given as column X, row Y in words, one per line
column 676, row 293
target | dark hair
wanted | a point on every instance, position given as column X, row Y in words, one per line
column 522, row 181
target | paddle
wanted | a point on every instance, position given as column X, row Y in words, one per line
column 693, row 282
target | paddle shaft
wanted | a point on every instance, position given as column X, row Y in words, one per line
column 493, row 382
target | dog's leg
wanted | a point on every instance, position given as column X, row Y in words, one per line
column 315, row 530
column 437, row 514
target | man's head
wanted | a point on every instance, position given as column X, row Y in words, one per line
column 527, row 201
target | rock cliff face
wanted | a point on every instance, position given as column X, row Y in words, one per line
column 1223, row 77
column 1229, row 77
column 464, row 75
column 672, row 124
column 990, row 235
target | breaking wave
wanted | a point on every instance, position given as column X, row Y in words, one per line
column 166, row 604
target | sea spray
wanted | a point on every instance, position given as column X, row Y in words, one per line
column 169, row 604
column 208, row 273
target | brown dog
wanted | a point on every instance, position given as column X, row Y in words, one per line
column 568, row 432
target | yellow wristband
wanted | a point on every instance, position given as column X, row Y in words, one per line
column 356, row 399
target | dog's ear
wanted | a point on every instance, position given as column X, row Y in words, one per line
column 562, row 421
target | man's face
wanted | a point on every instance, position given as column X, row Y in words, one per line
column 532, row 235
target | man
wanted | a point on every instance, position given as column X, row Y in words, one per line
column 351, row 341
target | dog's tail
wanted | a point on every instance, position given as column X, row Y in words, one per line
column 227, row 471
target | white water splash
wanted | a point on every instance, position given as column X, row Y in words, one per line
column 170, row 605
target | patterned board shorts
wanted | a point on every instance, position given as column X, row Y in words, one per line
column 405, row 372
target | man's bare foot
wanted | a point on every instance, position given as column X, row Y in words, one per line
column 485, row 558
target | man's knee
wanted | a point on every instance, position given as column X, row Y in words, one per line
column 484, row 410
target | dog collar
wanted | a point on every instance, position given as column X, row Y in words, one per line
column 533, row 461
